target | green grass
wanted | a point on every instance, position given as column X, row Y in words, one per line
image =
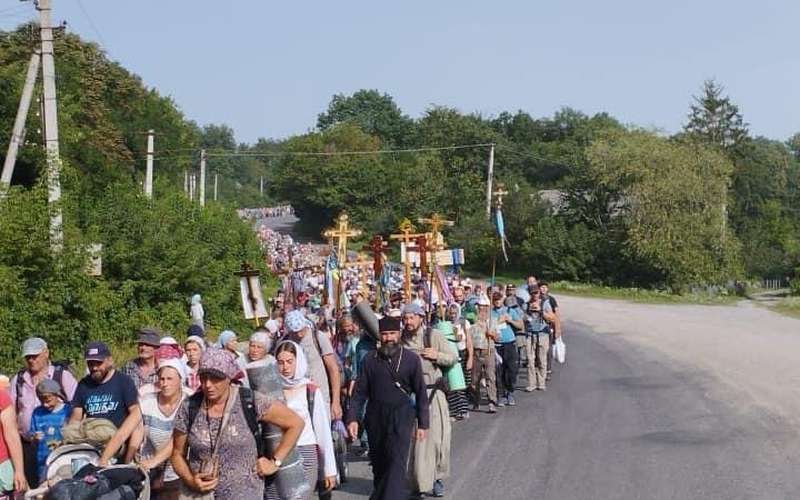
column 789, row 306
column 642, row 295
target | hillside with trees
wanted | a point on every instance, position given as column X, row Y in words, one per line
column 635, row 207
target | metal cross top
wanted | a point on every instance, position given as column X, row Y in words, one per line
column 498, row 196
column 435, row 222
column 406, row 236
column 341, row 233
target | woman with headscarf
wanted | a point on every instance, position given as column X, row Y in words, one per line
column 259, row 345
column 158, row 415
column 197, row 313
column 211, row 429
column 315, row 444
column 228, row 341
column 455, row 330
column 193, row 348
column 461, row 328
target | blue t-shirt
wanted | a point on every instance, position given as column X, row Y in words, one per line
column 504, row 331
column 109, row 400
column 49, row 424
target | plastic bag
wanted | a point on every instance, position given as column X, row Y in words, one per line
column 560, row 350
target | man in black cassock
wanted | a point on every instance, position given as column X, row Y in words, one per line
column 390, row 383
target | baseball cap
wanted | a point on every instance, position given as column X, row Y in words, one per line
column 148, row 336
column 33, row 346
column 96, row 351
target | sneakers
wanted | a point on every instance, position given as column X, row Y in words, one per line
column 492, row 408
column 503, row 401
column 530, row 389
column 511, row 400
column 541, row 388
column 438, row 488
column 475, row 406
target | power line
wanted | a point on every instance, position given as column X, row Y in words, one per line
column 233, row 154
column 92, row 25
column 355, row 153
column 18, row 8
column 525, row 154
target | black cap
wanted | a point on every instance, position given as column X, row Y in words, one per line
column 96, row 351
column 149, row 336
column 389, row 324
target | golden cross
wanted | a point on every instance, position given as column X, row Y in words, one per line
column 435, row 222
column 498, row 196
column 341, row 233
column 407, row 236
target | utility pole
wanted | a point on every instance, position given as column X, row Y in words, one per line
column 191, row 186
column 215, row 186
column 489, row 180
column 19, row 123
column 148, row 177
column 202, row 177
column 186, row 182
column 51, row 126
column 261, row 187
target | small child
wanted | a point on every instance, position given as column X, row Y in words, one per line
column 47, row 421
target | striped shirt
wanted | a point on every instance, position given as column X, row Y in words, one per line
column 158, row 431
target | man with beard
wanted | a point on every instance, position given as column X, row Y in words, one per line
column 392, row 385
column 106, row 393
column 431, row 458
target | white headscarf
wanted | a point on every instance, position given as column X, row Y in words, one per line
column 300, row 367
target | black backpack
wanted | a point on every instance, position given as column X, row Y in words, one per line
column 248, row 406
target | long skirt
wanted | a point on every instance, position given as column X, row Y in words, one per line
column 309, row 455
column 467, row 373
column 457, row 400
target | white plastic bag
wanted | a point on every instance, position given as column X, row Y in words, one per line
column 560, row 350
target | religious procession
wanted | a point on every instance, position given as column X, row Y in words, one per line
column 352, row 358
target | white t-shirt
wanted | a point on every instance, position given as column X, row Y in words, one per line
column 317, row 430
column 158, row 431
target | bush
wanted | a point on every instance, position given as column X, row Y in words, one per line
column 156, row 254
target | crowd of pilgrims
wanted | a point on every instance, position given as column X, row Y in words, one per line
column 203, row 420
column 265, row 212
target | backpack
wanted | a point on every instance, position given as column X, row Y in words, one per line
column 58, row 376
column 247, row 400
column 311, row 390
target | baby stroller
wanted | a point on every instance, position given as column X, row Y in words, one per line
column 71, row 468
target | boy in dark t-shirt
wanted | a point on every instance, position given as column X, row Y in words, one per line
column 106, row 393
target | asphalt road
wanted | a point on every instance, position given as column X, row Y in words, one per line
column 618, row 422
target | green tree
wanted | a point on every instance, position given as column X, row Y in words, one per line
column 673, row 201
column 373, row 112
column 376, row 190
column 713, row 118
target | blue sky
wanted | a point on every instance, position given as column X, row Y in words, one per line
column 268, row 68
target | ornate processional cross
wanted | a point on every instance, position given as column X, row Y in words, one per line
column 341, row 233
